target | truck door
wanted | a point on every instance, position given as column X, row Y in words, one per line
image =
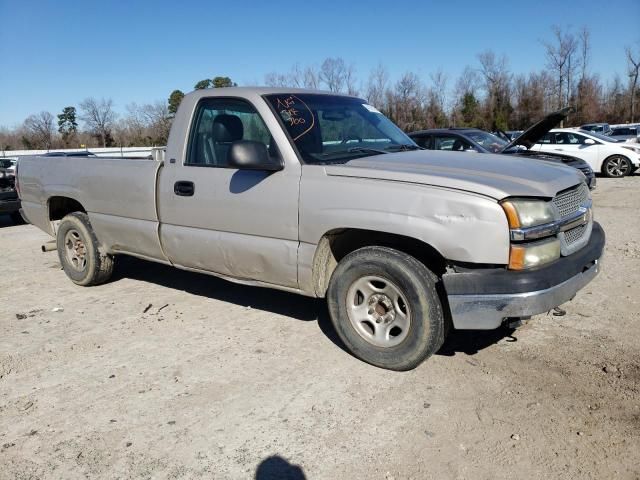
column 239, row 223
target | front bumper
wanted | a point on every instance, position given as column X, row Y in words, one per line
column 482, row 299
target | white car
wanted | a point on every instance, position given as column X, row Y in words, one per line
column 611, row 157
column 8, row 166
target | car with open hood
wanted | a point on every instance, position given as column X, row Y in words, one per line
column 476, row 140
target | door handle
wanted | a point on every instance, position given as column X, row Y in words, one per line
column 184, row 188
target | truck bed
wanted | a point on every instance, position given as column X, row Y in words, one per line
column 122, row 190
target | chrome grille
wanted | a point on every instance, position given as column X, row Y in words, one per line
column 575, row 234
column 569, row 201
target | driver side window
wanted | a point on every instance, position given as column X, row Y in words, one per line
column 218, row 123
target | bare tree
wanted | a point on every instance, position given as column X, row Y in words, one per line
column 633, row 62
column 584, row 38
column 158, row 121
column 147, row 124
column 615, row 101
column 377, row 86
column 439, row 81
column 296, row 77
column 494, row 70
column 407, row 101
column 350, row 79
column 40, row 129
column 275, row 79
column 560, row 60
column 98, row 117
column 333, row 73
column 311, row 78
column 467, row 82
column 497, row 80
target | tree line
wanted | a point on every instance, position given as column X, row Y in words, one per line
column 485, row 95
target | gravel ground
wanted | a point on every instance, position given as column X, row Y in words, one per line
column 168, row 374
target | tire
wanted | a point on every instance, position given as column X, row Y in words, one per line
column 384, row 306
column 78, row 251
column 616, row 166
column 16, row 218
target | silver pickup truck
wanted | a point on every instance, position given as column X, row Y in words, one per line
column 322, row 195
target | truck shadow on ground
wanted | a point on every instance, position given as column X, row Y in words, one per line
column 279, row 302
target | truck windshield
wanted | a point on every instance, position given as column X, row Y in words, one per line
column 333, row 128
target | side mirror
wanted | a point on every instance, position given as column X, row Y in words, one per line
column 250, row 155
column 589, row 141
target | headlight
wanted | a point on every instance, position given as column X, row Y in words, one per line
column 523, row 213
column 533, row 254
column 632, row 148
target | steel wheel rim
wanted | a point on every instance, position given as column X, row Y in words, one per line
column 75, row 250
column 617, row 167
column 378, row 311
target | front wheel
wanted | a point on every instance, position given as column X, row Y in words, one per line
column 384, row 306
column 616, row 166
column 78, row 251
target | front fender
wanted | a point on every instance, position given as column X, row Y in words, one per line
column 461, row 226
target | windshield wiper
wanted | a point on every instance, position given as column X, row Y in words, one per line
column 404, row 147
column 365, row 150
column 353, row 150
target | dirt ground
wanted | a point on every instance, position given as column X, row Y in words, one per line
column 168, row 374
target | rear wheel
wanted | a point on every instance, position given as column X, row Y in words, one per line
column 78, row 251
column 385, row 308
column 616, row 166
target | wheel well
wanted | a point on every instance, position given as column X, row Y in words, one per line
column 61, row 206
column 336, row 244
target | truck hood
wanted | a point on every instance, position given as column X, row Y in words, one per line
column 531, row 135
column 495, row 176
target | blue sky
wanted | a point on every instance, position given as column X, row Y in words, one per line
column 56, row 53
